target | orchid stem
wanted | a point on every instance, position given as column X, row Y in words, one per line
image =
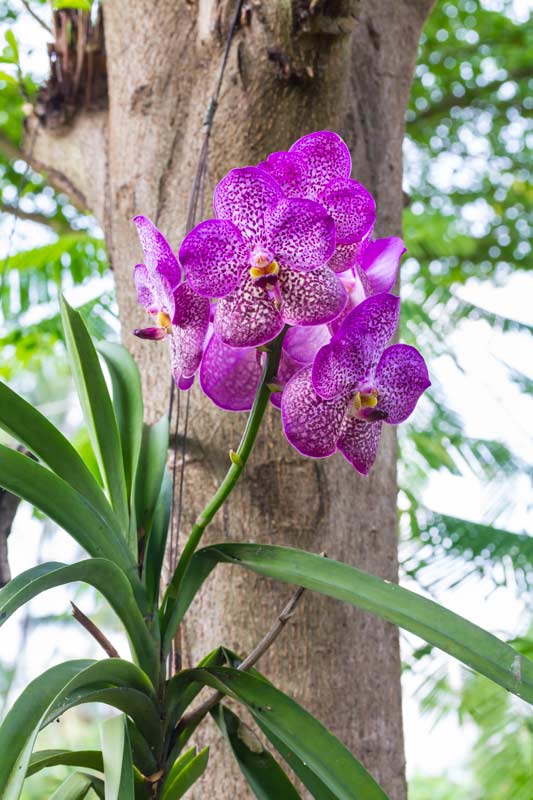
column 238, row 462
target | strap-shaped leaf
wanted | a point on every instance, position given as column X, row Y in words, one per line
column 128, row 403
column 64, row 505
column 75, row 787
column 111, row 681
column 323, row 753
column 157, row 540
column 259, row 767
column 104, row 576
column 150, row 473
column 450, row 632
column 118, row 764
column 97, row 409
column 29, row 427
column 88, row 759
column 184, row 774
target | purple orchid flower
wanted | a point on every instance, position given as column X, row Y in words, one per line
column 317, row 167
column 230, row 376
column 182, row 317
column 354, row 385
column 374, row 270
column 265, row 256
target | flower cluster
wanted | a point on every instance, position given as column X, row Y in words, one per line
column 290, row 245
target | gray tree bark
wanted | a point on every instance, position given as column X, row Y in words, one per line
column 295, row 66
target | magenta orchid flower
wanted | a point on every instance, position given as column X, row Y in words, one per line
column 230, row 376
column 317, row 167
column 354, row 385
column 374, row 270
column 181, row 316
column 266, row 257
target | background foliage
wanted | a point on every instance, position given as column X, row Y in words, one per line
column 467, row 226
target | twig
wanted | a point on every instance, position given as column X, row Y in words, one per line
column 95, row 632
column 252, row 659
column 36, row 17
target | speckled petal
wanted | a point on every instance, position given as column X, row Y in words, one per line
column 247, row 317
column 143, row 284
column 359, row 443
column 344, row 257
column 401, row 377
column 229, row 376
column 303, row 343
column 311, row 425
column 285, row 169
column 214, row 256
column 243, row 197
column 352, row 207
column 322, row 157
column 300, row 234
column 190, row 324
column 287, row 368
column 350, row 359
column 158, row 255
column 378, row 264
column 310, row 298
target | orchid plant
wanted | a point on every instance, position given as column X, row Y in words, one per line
column 283, row 298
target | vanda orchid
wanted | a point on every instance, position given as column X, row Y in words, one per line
column 270, row 264
column 283, row 299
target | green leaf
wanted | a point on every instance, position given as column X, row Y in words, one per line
column 12, row 43
column 157, row 540
column 97, row 409
column 118, row 764
column 29, row 427
column 261, row 770
column 64, row 505
column 128, row 404
column 150, row 473
column 306, row 775
column 181, row 779
column 112, row 681
column 88, row 759
column 82, row 5
column 450, row 632
column 104, row 576
column 325, row 755
column 75, row 787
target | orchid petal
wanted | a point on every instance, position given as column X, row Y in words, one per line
column 352, row 208
column 359, row 443
column 243, row 197
column 214, row 256
column 247, row 317
column 322, row 157
column 310, row 298
column 344, row 257
column 300, row 234
column 229, row 376
column 285, row 169
column 378, row 264
column 144, row 286
column 401, row 377
column 158, row 255
column 190, row 324
column 353, row 353
column 312, row 425
column 302, row 344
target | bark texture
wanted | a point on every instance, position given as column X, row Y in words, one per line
column 294, row 67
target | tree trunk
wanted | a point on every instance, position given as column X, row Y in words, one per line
column 294, row 67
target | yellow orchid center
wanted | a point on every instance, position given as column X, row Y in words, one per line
column 264, row 268
column 364, row 400
column 163, row 321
